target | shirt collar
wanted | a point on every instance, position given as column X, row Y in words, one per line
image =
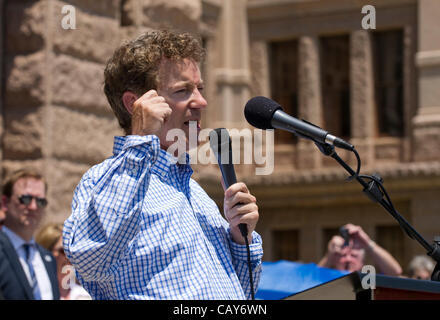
column 16, row 240
column 164, row 162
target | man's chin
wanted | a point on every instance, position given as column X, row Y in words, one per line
column 31, row 223
column 181, row 144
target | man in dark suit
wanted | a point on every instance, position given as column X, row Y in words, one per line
column 27, row 270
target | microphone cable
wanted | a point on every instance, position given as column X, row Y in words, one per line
column 244, row 233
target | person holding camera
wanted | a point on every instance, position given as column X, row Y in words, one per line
column 350, row 255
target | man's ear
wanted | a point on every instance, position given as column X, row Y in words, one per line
column 128, row 98
column 4, row 203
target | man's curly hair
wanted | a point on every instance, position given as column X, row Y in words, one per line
column 134, row 66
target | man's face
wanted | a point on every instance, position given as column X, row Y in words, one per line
column 345, row 257
column 24, row 216
column 351, row 259
column 181, row 85
column 61, row 259
column 421, row 274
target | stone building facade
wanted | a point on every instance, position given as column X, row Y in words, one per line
column 313, row 57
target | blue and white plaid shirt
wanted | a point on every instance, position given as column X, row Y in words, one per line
column 141, row 228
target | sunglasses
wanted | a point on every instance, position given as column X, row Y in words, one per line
column 26, row 199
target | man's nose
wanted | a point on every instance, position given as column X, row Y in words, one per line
column 345, row 257
column 33, row 204
column 198, row 101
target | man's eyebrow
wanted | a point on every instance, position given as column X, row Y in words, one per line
column 187, row 83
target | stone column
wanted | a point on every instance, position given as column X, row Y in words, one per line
column 426, row 123
column 409, row 88
column 232, row 75
column 25, row 88
column 309, row 237
column 260, row 73
column 362, row 95
column 310, row 100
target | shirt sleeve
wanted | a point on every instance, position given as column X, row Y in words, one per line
column 240, row 262
column 106, row 209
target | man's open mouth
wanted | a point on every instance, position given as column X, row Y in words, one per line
column 196, row 122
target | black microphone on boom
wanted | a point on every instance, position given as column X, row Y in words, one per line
column 264, row 113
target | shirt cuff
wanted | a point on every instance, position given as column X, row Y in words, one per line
column 134, row 141
column 143, row 145
column 239, row 251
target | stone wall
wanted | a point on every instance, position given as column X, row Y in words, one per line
column 56, row 116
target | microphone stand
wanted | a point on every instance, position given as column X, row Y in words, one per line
column 375, row 191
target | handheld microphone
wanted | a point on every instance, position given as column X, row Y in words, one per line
column 264, row 113
column 220, row 143
column 345, row 235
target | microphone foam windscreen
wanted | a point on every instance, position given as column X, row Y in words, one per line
column 259, row 112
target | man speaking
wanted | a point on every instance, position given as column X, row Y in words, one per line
column 140, row 227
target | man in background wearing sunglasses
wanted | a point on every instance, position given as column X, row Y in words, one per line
column 27, row 270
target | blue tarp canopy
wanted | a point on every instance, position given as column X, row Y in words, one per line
column 284, row 278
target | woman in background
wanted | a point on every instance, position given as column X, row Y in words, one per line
column 50, row 237
column 421, row 267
